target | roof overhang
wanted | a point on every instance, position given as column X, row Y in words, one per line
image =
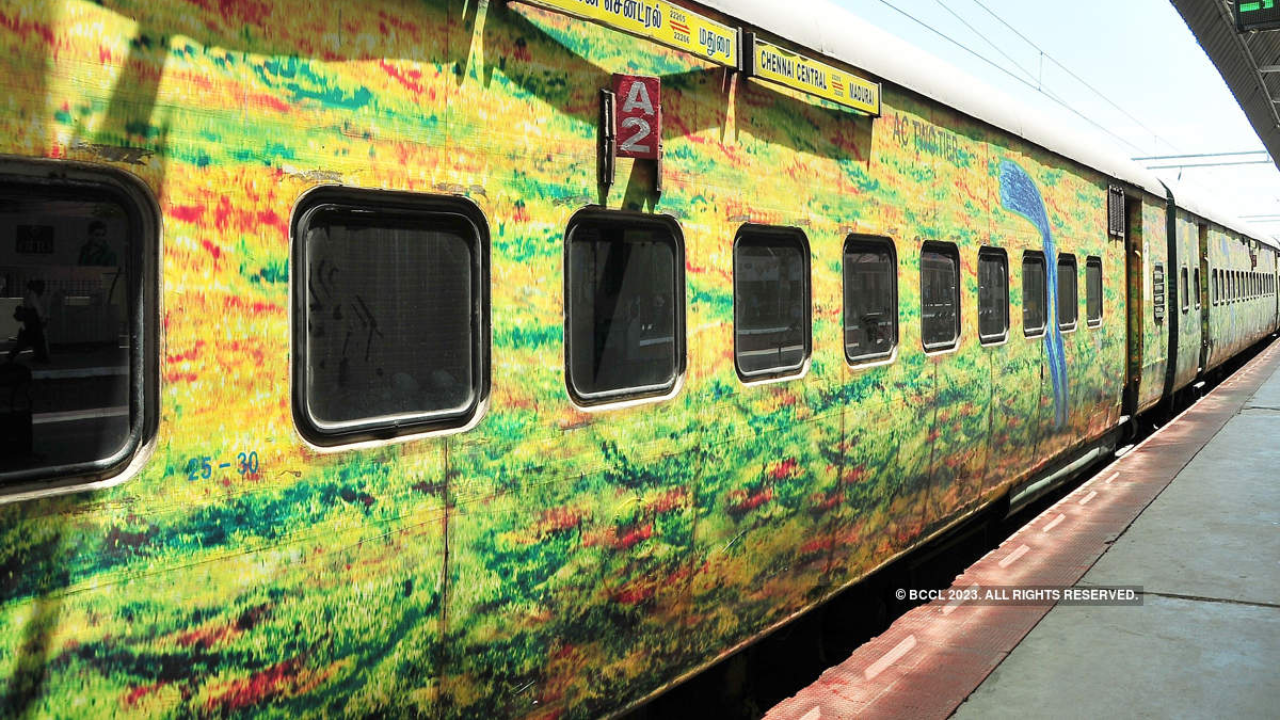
column 1249, row 63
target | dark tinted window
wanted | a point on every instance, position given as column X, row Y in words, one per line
column 392, row 335
column 1195, row 287
column 1034, row 294
column 1186, row 291
column 993, row 295
column 870, row 299
column 77, row 334
column 1068, row 292
column 1217, row 283
column 770, row 301
column 625, row 325
column 939, row 296
column 1093, row 289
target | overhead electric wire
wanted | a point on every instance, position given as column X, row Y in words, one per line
column 1005, row 70
column 988, row 40
column 1067, row 70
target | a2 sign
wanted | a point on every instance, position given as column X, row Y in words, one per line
column 639, row 116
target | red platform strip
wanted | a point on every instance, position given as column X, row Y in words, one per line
column 934, row 656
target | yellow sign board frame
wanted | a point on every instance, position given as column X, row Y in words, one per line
column 793, row 70
column 661, row 22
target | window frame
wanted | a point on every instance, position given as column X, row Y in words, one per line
column 627, row 396
column 61, row 178
column 952, row 251
column 1195, row 290
column 1035, row 256
column 364, row 201
column 1003, row 257
column 1068, row 259
column 870, row 359
column 1090, row 321
column 802, row 241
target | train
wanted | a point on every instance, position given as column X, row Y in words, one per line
column 470, row 358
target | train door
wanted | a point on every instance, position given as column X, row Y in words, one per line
column 1134, row 303
column 1206, row 337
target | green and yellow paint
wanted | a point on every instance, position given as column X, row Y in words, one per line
column 551, row 561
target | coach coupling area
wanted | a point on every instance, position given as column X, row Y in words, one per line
column 1167, row 567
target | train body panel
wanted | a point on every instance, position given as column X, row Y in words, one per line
column 1149, row 287
column 1242, row 314
column 555, row 558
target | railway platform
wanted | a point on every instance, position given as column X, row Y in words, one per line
column 1166, row 566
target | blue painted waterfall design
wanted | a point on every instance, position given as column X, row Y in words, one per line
column 1019, row 194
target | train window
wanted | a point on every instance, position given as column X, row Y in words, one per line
column 1214, row 279
column 1068, row 292
column 1034, row 294
column 939, row 296
column 625, row 323
column 870, row 299
column 78, row 369
column 1185, row 286
column 1093, row 290
column 1196, row 287
column 993, row 295
column 391, row 301
column 771, row 302
column 1157, row 292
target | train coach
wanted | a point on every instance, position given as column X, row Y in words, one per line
column 517, row 359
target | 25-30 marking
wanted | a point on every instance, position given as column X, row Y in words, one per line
column 202, row 466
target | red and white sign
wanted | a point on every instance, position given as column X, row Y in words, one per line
column 639, row 115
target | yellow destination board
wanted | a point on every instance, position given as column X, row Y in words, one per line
column 659, row 21
column 800, row 73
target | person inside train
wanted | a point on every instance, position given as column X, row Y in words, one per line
column 32, row 315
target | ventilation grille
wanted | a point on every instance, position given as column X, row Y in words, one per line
column 1115, row 211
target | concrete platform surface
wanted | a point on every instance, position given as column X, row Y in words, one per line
column 1206, row 642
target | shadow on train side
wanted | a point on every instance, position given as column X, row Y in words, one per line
column 32, row 556
column 45, row 547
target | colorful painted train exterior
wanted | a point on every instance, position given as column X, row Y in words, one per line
column 538, row 555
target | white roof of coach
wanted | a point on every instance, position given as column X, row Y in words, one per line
column 1201, row 202
column 822, row 27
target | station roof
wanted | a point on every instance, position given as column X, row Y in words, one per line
column 1249, row 63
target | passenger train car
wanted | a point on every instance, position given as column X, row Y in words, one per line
column 377, row 385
